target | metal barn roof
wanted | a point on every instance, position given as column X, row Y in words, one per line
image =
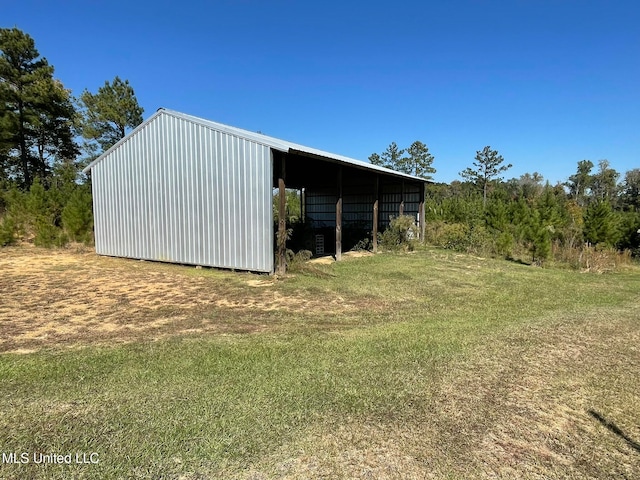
column 275, row 143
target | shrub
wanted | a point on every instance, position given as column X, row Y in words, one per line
column 504, row 244
column 402, row 233
column 77, row 216
column 8, row 230
column 299, row 263
column 15, row 217
column 48, row 235
column 460, row 237
column 454, row 237
column 363, row 245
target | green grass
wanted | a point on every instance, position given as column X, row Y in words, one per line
column 446, row 364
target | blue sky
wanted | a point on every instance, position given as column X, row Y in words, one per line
column 545, row 82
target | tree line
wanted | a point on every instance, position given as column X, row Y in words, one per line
column 595, row 211
column 46, row 137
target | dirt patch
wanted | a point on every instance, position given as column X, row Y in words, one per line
column 326, row 260
column 64, row 297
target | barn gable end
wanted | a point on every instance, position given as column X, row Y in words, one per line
column 177, row 191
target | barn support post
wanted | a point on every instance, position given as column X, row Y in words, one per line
column 282, row 220
column 376, row 198
column 339, row 216
column 401, row 209
column 421, row 222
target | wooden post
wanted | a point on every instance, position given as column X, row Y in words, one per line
column 302, row 205
column 282, row 221
column 376, row 196
column 339, row 217
column 401, row 209
column 421, row 222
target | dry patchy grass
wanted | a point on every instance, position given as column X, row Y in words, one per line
column 553, row 400
column 453, row 367
column 74, row 297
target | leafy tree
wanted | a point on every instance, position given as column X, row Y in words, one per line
column 54, row 127
column 488, row 165
column 42, row 216
column 605, row 183
column 580, row 182
column 293, row 205
column 551, row 212
column 531, row 185
column 573, row 230
column 108, row 114
column 496, row 214
column 631, row 190
column 519, row 214
column 374, row 159
column 36, row 113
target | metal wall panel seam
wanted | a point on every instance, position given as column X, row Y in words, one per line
column 185, row 233
column 119, row 197
column 220, row 216
column 206, row 213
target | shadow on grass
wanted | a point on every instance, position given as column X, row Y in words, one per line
column 519, row 261
column 614, row 428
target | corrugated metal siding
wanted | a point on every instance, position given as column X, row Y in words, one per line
column 181, row 192
column 357, row 205
column 390, row 197
column 320, row 207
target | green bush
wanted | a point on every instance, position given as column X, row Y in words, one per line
column 48, row 235
column 8, row 230
column 455, row 237
column 402, row 233
column 460, row 237
column 77, row 216
column 363, row 245
column 504, row 244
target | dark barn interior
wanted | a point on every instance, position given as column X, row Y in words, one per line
column 342, row 203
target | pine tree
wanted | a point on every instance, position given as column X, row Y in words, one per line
column 538, row 234
column 488, row 165
column 600, row 224
column 418, row 162
column 77, row 216
column 109, row 113
column 36, row 113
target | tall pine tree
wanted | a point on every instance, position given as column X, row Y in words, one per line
column 36, row 113
column 488, row 166
column 108, row 114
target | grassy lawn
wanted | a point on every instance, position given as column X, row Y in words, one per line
column 423, row 365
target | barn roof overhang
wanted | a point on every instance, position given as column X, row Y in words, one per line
column 307, row 157
column 304, row 169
